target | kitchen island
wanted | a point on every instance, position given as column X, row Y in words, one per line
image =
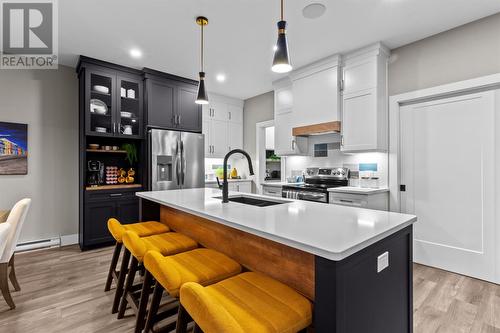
column 354, row 264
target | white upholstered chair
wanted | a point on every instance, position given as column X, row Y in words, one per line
column 9, row 235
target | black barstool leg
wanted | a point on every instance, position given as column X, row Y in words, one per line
column 143, row 302
column 183, row 318
column 128, row 287
column 121, row 281
column 197, row 329
column 114, row 263
column 153, row 308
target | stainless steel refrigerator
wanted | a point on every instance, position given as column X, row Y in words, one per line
column 177, row 160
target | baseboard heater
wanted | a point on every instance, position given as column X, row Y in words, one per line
column 38, row 244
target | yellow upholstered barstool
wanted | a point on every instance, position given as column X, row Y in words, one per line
column 247, row 303
column 203, row 266
column 167, row 244
column 117, row 230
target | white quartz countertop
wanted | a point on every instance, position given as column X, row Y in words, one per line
column 214, row 181
column 330, row 231
column 357, row 190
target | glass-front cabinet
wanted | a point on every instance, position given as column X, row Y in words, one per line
column 129, row 117
column 114, row 103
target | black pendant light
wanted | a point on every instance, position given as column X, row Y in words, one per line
column 281, row 61
column 202, row 92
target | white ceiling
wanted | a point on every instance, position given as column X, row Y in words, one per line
column 241, row 33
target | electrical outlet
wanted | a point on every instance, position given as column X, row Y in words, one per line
column 382, row 262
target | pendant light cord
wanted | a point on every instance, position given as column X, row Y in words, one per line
column 202, row 62
column 282, row 10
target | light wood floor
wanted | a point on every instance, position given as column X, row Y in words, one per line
column 62, row 291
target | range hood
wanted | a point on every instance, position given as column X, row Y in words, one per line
column 317, row 129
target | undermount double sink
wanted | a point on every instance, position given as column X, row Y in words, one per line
column 253, row 201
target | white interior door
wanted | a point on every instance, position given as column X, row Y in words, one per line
column 448, row 167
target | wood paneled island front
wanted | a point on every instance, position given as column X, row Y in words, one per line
column 354, row 264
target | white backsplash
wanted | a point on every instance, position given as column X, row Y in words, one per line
column 237, row 162
column 336, row 158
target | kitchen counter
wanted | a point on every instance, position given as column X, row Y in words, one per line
column 278, row 184
column 214, row 181
column 329, row 231
column 357, row 190
column 355, row 264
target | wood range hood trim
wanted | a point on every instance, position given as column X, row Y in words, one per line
column 317, row 129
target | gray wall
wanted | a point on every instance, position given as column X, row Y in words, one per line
column 256, row 109
column 466, row 52
column 47, row 100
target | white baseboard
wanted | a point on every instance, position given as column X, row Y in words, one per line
column 39, row 244
column 69, row 240
column 46, row 243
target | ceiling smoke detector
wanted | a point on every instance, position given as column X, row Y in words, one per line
column 314, row 10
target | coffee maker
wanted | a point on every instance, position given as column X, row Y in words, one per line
column 95, row 173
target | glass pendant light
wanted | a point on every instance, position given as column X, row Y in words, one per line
column 202, row 92
column 281, row 61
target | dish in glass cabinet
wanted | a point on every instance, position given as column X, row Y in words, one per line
column 101, row 89
column 124, row 114
column 98, row 107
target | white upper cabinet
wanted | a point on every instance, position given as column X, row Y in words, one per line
column 235, row 114
column 222, row 126
column 219, row 138
column 339, row 92
column 316, row 93
column 234, row 136
column 359, row 74
column 219, row 110
column 365, row 100
column 283, row 99
column 284, row 142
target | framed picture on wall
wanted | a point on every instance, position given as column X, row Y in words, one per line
column 13, row 149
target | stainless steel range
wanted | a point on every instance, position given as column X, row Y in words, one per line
column 316, row 184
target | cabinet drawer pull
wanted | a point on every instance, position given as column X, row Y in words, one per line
column 116, row 194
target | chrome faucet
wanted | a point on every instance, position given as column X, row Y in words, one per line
column 225, row 185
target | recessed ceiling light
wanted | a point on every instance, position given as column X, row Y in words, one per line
column 135, row 53
column 314, row 10
column 220, row 77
